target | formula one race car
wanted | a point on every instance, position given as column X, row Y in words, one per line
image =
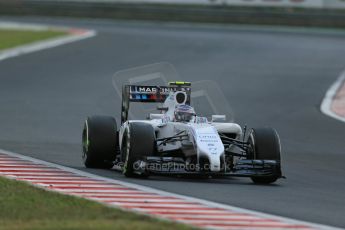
column 176, row 141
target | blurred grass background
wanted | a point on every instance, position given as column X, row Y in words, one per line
column 10, row 38
column 26, row 207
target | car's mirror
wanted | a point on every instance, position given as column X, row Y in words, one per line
column 156, row 116
column 218, row 118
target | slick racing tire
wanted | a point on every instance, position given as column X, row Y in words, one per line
column 265, row 145
column 138, row 142
column 99, row 142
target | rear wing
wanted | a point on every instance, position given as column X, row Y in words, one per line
column 150, row 94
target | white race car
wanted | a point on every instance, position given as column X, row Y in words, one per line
column 176, row 141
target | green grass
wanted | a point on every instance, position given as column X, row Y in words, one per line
column 26, row 207
column 12, row 38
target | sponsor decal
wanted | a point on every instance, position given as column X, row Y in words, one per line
column 156, row 89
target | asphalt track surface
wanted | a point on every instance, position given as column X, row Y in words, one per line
column 271, row 78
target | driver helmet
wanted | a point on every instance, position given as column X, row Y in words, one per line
column 184, row 113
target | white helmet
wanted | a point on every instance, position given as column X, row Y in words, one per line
column 184, row 113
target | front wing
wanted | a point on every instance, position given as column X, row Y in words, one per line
column 171, row 166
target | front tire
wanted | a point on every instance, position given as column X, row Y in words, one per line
column 99, row 142
column 139, row 141
column 265, row 145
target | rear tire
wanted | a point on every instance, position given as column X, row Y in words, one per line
column 265, row 145
column 139, row 141
column 99, row 142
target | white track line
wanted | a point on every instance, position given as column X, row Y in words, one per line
column 88, row 186
column 120, row 195
column 326, row 105
column 218, row 217
column 139, row 200
column 82, row 191
column 185, row 212
column 73, row 35
column 60, row 182
column 188, row 208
